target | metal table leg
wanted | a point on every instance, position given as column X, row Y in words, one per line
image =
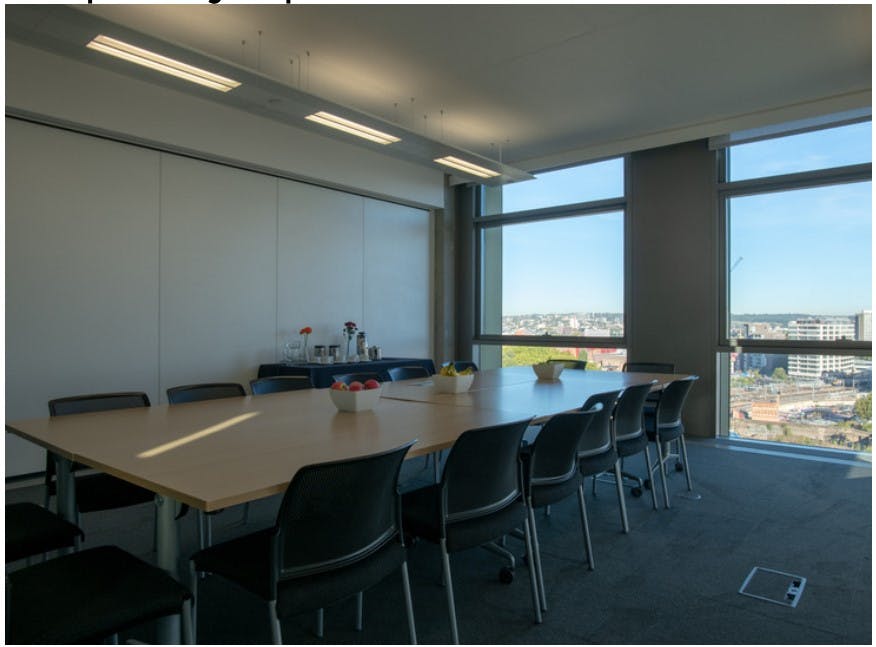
column 66, row 494
column 66, row 488
column 168, row 559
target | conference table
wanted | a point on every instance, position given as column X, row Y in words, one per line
column 219, row 453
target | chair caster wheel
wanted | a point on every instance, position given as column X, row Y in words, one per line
column 636, row 492
column 647, row 484
column 506, row 575
column 679, row 467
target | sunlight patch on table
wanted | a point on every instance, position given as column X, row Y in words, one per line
column 203, row 433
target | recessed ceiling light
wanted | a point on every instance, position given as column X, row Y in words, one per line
column 468, row 167
column 161, row 63
column 351, row 127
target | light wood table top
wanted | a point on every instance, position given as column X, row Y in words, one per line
column 218, row 453
column 516, row 389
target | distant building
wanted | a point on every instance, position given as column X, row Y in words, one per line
column 811, row 367
column 864, row 325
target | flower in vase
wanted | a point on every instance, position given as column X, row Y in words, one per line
column 305, row 333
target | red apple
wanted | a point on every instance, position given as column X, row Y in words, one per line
column 372, row 384
column 356, row 386
column 339, row 386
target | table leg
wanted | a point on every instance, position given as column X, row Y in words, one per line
column 66, row 488
column 167, row 558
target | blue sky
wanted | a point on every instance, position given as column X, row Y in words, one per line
column 803, row 251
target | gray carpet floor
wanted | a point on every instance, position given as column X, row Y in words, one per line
column 673, row 579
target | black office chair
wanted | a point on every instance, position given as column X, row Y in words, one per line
column 573, row 364
column 630, row 439
column 462, row 365
column 209, row 391
column 95, row 492
column 550, row 472
column 280, row 383
column 338, row 532
column 649, row 367
column 196, row 393
column 477, row 501
column 407, row 373
column 31, row 530
column 664, row 425
column 597, row 453
column 90, row 596
column 348, row 378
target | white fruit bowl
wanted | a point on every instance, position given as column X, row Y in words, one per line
column 364, row 400
column 452, row 383
column 548, row 370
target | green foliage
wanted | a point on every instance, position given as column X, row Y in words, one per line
column 780, row 374
column 864, row 407
column 525, row 355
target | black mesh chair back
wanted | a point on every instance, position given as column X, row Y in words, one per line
column 573, row 364
column 628, row 412
column 280, row 383
column 94, row 403
column 463, row 365
column 338, row 513
column 649, row 367
column 97, row 402
column 554, row 454
column 598, row 438
column 482, row 472
column 407, row 373
column 348, row 378
column 198, row 392
column 671, row 402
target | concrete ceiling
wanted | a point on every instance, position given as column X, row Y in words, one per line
column 543, row 83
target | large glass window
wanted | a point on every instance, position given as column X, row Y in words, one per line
column 596, row 181
column 560, row 277
column 798, row 303
column 555, row 274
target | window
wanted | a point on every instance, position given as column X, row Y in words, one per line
column 553, row 276
column 797, row 304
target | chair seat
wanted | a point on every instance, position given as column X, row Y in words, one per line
column 87, row 596
column 543, row 495
column 421, row 510
column 31, row 530
column 246, row 562
column 666, row 433
column 104, row 492
column 590, row 465
column 632, row 446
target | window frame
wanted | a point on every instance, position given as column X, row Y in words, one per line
column 725, row 190
column 574, row 210
column 775, row 184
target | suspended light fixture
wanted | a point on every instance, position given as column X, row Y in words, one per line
column 467, row 167
column 351, row 127
column 144, row 57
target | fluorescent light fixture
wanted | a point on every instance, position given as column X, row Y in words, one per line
column 161, row 63
column 351, row 127
column 468, row 167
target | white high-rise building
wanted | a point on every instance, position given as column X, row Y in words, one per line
column 811, row 367
column 864, row 325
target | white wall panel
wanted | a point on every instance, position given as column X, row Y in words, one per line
column 320, row 262
column 398, row 279
column 81, row 273
column 218, row 272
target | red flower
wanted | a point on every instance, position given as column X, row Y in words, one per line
column 305, row 331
